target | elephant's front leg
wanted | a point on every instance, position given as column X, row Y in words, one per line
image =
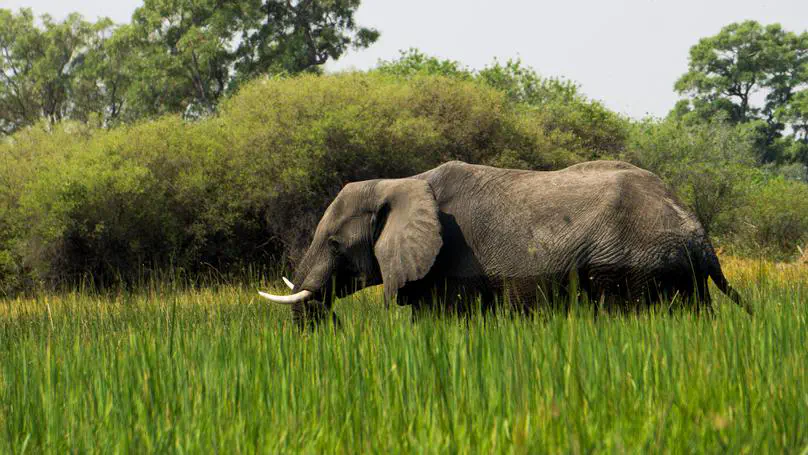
column 451, row 300
column 310, row 315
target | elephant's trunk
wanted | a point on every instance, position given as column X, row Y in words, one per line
column 313, row 275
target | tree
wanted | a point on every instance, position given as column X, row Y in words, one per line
column 299, row 35
column 175, row 56
column 182, row 54
column 105, row 75
column 567, row 114
column 795, row 114
column 38, row 65
column 192, row 52
column 729, row 71
column 414, row 62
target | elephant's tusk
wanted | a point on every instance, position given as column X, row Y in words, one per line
column 300, row 297
column 288, row 283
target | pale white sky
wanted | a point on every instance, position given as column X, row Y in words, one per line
column 626, row 53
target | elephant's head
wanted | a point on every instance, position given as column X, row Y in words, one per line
column 377, row 231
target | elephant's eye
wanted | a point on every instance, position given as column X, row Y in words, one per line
column 333, row 245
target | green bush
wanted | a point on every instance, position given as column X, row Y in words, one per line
column 587, row 123
column 711, row 166
column 105, row 204
column 707, row 164
column 568, row 116
column 775, row 219
column 245, row 187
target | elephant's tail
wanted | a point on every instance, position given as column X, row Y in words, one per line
column 714, row 271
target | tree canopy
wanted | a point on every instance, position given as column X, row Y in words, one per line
column 175, row 56
column 567, row 111
column 756, row 75
column 41, row 66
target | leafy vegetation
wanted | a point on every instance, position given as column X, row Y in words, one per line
column 248, row 185
column 750, row 210
column 41, row 70
column 745, row 61
column 776, row 218
column 176, row 56
column 165, row 370
column 707, row 164
column 567, row 111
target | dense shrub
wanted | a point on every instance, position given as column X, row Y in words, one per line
column 775, row 219
column 247, row 186
column 707, row 164
column 570, row 117
column 750, row 210
column 110, row 203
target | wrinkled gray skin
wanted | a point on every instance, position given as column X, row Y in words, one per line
column 461, row 231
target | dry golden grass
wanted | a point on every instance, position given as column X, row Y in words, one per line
column 740, row 270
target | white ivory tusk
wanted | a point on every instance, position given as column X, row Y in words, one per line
column 288, row 283
column 301, row 296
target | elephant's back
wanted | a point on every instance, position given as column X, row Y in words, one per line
column 544, row 222
column 592, row 193
column 579, row 184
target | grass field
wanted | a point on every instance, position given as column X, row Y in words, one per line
column 171, row 370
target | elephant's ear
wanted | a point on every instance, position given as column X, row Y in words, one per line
column 407, row 231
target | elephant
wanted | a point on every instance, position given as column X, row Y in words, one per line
column 462, row 233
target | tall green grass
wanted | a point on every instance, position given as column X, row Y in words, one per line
column 173, row 370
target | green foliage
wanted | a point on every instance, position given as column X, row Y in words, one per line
column 103, row 77
column 215, row 370
column 298, row 35
column 567, row 114
column 776, row 219
column 37, row 66
column 795, row 114
column 177, row 56
column 727, row 70
column 249, row 185
column 590, row 124
column 707, row 164
column 710, row 165
column 186, row 55
column 413, row 62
